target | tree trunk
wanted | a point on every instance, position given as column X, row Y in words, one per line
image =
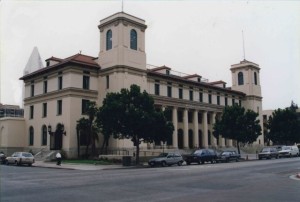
column 238, row 146
column 137, row 160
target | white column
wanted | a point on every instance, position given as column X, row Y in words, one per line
column 196, row 130
column 185, row 129
column 221, row 141
column 229, row 143
column 205, row 133
column 175, row 121
column 213, row 121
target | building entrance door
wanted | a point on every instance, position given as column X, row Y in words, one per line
column 56, row 140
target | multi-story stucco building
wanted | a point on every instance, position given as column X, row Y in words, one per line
column 56, row 96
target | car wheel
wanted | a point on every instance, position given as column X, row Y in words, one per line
column 188, row 163
column 163, row 163
column 7, row 163
column 29, row 164
column 202, row 162
column 179, row 163
column 199, row 162
column 237, row 160
column 259, row 158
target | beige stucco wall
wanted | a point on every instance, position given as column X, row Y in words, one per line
column 12, row 136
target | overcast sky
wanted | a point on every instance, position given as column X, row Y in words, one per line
column 202, row 37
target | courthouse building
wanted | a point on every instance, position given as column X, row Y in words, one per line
column 56, row 95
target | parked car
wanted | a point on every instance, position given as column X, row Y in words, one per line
column 202, row 156
column 289, row 151
column 165, row 159
column 227, row 156
column 268, row 153
column 20, row 158
column 2, row 158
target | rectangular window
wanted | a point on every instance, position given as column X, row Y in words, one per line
column 201, row 97
column 86, row 82
column 208, row 118
column 209, row 99
column 169, row 91
column 233, row 101
column 45, row 86
column 60, row 80
column 190, row 117
column 240, row 102
column 31, row 112
column 32, row 89
column 84, row 106
column 156, row 88
column 180, row 116
column 218, row 100
column 191, row 94
column 180, row 92
column 226, row 101
column 44, row 109
column 59, row 107
column 107, row 82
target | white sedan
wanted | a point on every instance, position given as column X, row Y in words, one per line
column 20, row 158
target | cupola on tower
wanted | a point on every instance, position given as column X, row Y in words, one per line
column 122, row 41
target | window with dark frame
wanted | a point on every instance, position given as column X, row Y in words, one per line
column 32, row 89
column 60, row 82
column 133, row 39
column 156, row 87
column 59, row 107
column 180, row 92
column 31, row 136
column 255, row 78
column 226, row 101
column 191, row 94
column 44, row 110
column 218, row 99
column 44, row 135
column 169, row 89
column 84, row 106
column 31, row 113
column 209, row 99
column 86, row 82
column 240, row 78
column 108, row 40
column 107, row 81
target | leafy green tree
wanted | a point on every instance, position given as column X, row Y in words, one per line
column 88, row 128
column 131, row 114
column 284, row 126
column 238, row 124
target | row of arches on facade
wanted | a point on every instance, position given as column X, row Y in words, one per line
column 55, row 138
column 133, row 39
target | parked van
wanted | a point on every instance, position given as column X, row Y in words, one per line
column 289, row 151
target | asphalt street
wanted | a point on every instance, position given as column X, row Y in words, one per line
column 266, row 180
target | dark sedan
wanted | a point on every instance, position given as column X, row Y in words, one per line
column 201, row 156
column 227, row 156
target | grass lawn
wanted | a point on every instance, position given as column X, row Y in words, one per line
column 87, row 161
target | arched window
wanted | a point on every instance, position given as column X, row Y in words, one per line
column 240, row 78
column 44, row 135
column 255, row 78
column 31, row 136
column 133, row 39
column 108, row 40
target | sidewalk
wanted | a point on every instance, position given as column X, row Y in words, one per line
column 74, row 166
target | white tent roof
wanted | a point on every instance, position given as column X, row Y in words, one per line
column 34, row 62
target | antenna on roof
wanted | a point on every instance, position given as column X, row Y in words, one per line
column 243, row 45
column 122, row 6
column 79, row 51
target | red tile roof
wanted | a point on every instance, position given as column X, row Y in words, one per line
column 80, row 59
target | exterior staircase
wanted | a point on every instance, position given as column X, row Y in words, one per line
column 45, row 155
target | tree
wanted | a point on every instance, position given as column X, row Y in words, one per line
column 284, row 126
column 238, row 124
column 131, row 114
column 89, row 129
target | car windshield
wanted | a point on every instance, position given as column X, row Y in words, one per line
column 27, row 155
column 286, row 148
column 226, row 153
column 197, row 152
column 163, row 155
column 265, row 150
